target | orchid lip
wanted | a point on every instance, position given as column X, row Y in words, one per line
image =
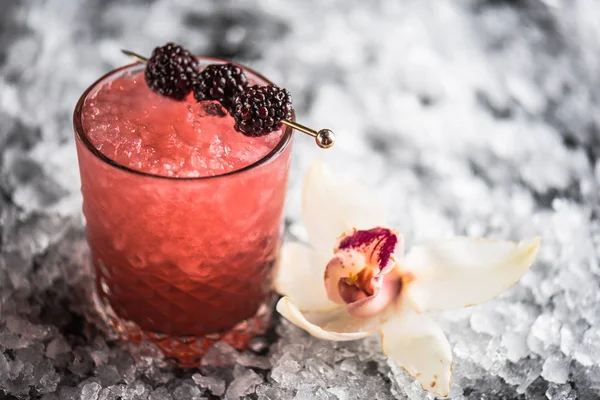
column 375, row 304
column 350, row 293
column 361, row 261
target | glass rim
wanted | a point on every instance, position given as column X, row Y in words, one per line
column 80, row 132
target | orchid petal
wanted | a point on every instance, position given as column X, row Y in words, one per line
column 300, row 277
column 418, row 345
column 330, row 208
column 335, row 325
column 460, row 272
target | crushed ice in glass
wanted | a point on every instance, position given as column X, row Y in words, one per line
column 473, row 117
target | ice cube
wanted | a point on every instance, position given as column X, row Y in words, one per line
column 215, row 385
column 545, row 332
column 56, row 347
column 161, row 393
column 315, row 393
column 349, row 365
column 187, row 391
column 69, row 393
column 49, row 381
column 588, row 351
column 267, row 392
column 243, row 384
column 253, row 361
column 26, row 329
column 12, row 341
column 221, row 354
column 528, row 379
column 560, row 392
column 556, row 369
column 108, row 375
column 259, row 344
column 285, row 372
column 4, row 367
column 90, row 391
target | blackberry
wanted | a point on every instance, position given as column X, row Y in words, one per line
column 221, row 82
column 259, row 109
column 171, row 71
column 214, row 109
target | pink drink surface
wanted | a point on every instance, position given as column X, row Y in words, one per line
column 181, row 257
column 142, row 130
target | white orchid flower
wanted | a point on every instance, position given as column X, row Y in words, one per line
column 367, row 286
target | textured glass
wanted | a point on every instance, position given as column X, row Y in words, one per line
column 183, row 256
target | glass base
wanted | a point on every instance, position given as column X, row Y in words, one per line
column 187, row 351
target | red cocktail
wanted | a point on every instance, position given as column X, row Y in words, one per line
column 183, row 213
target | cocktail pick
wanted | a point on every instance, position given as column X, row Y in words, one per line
column 324, row 138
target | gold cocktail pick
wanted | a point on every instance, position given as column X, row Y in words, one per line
column 324, row 138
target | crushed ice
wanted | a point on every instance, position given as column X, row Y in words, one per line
column 472, row 117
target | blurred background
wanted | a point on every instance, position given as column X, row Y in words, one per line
column 475, row 117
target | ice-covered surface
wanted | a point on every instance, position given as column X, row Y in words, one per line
column 471, row 117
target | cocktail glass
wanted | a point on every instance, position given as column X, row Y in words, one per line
column 183, row 262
